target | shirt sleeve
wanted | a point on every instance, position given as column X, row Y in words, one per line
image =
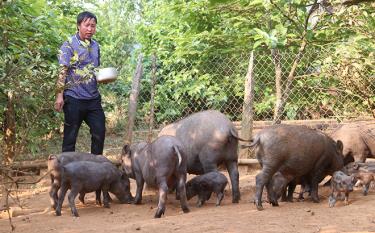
column 65, row 54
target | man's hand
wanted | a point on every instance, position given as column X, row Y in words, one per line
column 59, row 103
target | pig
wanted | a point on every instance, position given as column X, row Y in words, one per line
column 340, row 183
column 365, row 178
column 358, row 139
column 53, row 163
column 204, row 185
column 86, row 176
column 210, row 139
column 279, row 187
column 161, row 164
column 295, row 151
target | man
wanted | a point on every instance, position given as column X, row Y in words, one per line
column 77, row 91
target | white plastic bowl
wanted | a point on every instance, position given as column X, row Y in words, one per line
column 106, row 75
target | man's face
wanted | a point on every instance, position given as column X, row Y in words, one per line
column 87, row 28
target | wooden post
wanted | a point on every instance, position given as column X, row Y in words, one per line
column 153, row 82
column 247, row 114
column 133, row 100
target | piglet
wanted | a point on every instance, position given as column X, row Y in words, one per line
column 204, row 185
column 54, row 164
column 86, row 176
column 340, row 183
column 365, row 178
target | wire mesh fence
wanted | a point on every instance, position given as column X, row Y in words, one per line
column 318, row 89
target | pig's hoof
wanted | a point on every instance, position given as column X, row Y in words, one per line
column 137, row 202
column 236, row 199
column 186, row 210
column 159, row 213
column 258, row 205
column 106, row 205
column 273, row 203
column 58, row 213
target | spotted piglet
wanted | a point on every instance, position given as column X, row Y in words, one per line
column 340, row 184
column 365, row 178
column 204, row 185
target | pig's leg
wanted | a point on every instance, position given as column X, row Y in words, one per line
column 53, row 194
column 220, row 196
column 163, row 190
column 316, row 178
column 271, row 194
column 71, row 197
column 232, row 167
column 81, row 197
column 346, row 201
column 284, row 195
column 365, row 188
column 181, row 189
column 261, row 180
column 61, row 198
column 201, row 198
column 332, row 199
column 291, row 187
column 106, row 199
column 138, row 196
column 98, row 201
column 301, row 192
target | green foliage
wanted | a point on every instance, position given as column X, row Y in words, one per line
column 196, row 43
column 31, row 33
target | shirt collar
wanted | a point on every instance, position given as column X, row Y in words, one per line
column 81, row 42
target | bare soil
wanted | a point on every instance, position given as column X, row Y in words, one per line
column 36, row 217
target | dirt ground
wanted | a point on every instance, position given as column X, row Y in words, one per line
column 358, row 216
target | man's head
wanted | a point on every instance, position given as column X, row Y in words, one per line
column 86, row 25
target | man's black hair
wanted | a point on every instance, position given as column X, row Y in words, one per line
column 85, row 15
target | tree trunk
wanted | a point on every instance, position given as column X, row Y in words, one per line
column 133, row 100
column 278, row 82
column 248, row 114
column 285, row 95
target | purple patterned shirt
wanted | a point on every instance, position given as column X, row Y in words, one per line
column 81, row 58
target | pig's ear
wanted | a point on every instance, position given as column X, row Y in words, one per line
column 339, row 146
column 125, row 150
column 51, row 157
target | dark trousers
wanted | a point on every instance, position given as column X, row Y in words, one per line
column 90, row 111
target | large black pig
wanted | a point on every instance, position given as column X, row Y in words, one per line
column 296, row 151
column 161, row 164
column 54, row 164
column 210, row 139
column 86, row 176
